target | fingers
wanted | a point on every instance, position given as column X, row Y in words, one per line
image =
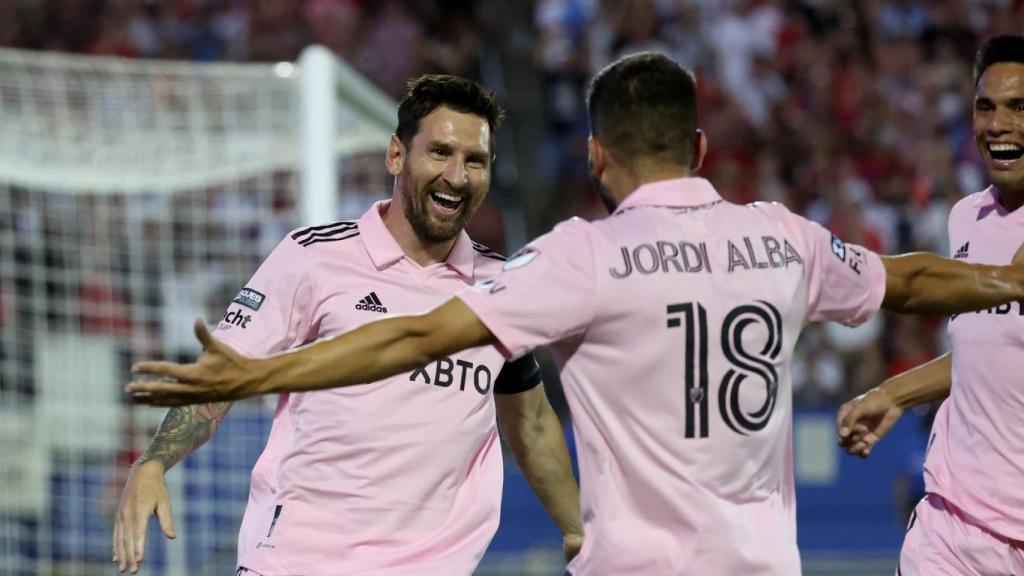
column 138, row 539
column 164, row 369
column 163, row 513
column 841, row 415
column 203, row 334
column 861, row 442
column 159, row 393
column 848, row 421
column 119, row 555
column 158, row 387
column 169, row 400
column 127, row 553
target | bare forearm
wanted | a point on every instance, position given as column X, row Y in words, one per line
column 926, row 383
column 374, row 351
column 540, row 450
column 182, row 431
column 926, row 283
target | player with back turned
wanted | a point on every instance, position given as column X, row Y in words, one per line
column 404, row 477
column 971, row 520
column 674, row 321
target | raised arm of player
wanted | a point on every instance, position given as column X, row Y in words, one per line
column 533, row 431
column 862, row 422
column 924, row 283
column 182, row 431
column 370, row 353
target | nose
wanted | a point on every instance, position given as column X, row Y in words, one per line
column 455, row 173
column 1000, row 122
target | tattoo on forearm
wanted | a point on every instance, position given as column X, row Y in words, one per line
column 182, row 431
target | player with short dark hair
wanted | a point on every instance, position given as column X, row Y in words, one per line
column 403, row 477
column 674, row 321
column 971, row 520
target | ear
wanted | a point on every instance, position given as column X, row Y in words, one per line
column 700, row 149
column 597, row 156
column 396, row 156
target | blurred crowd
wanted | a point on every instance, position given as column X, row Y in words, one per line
column 853, row 113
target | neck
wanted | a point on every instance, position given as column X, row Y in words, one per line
column 1011, row 200
column 422, row 251
column 627, row 181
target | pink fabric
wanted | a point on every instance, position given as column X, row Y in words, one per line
column 401, row 477
column 976, row 451
column 942, row 541
column 684, row 444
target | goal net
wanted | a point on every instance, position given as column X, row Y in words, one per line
column 136, row 196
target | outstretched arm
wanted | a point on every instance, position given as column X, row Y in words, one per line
column 367, row 354
column 924, row 283
column 863, row 421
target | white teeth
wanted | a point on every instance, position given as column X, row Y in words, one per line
column 999, row 147
column 447, row 197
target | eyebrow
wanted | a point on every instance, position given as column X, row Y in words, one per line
column 472, row 155
column 1012, row 102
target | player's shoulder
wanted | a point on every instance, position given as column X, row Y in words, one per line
column 768, row 208
column 576, row 230
column 972, row 202
column 334, row 235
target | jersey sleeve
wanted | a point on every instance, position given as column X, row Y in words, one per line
column 845, row 282
column 274, row 311
column 544, row 293
column 518, row 375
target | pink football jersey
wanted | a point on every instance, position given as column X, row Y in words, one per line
column 401, row 477
column 674, row 322
column 976, row 449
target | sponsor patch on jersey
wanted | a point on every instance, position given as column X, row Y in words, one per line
column 251, row 299
column 520, row 259
column 839, row 248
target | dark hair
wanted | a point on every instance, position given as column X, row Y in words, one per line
column 644, row 107
column 432, row 91
column 1006, row 48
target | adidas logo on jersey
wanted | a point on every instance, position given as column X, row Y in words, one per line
column 962, row 252
column 371, row 303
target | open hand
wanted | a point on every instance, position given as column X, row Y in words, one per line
column 219, row 374
column 144, row 495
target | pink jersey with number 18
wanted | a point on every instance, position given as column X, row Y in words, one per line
column 674, row 322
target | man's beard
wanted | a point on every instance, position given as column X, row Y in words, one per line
column 414, row 205
column 602, row 190
column 605, row 196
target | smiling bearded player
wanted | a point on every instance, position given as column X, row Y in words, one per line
column 971, row 520
column 403, row 477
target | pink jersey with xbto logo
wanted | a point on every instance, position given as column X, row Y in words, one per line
column 675, row 321
column 401, row 477
column 976, row 450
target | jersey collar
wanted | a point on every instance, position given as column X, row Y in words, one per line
column 987, row 199
column 679, row 192
column 384, row 250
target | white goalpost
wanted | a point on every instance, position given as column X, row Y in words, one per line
column 136, row 196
